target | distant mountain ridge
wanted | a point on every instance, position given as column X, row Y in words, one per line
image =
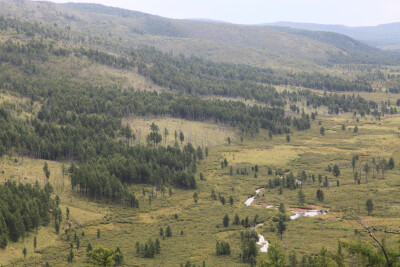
column 324, row 46
column 223, row 42
column 208, row 20
column 385, row 35
column 357, row 49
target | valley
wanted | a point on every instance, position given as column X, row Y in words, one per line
column 128, row 139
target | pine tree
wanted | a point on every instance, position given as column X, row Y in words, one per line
column 391, row 163
column 236, row 220
column 225, row 220
column 166, row 133
column 78, row 243
column 119, row 258
column 46, row 170
column 168, row 231
column 369, row 206
column 336, row 170
column 157, row 245
column 281, row 227
column 34, row 244
column 277, row 257
column 231, row 200
column 301, row 197
column 320, row 195
column 89, row 247
column 161, row 231
column 57, row 227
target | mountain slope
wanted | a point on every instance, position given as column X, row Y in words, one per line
column 241, row 44
column 385, row 35
column 359, row 52
column 220, row 33
column 257, row 46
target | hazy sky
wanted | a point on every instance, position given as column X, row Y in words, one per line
column 347, row 12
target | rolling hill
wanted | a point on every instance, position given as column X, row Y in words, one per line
column 357, row 51
column 253, row 45
column 386, row 36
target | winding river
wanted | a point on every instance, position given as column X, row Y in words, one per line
column 250, row 200
column 310, row 213
column 263, row 243
column 261, row 239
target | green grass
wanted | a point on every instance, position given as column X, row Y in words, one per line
column 201, row 134
column 201, row 222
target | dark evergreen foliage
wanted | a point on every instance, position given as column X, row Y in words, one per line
column 23, row 208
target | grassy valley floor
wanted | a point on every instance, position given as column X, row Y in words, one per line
column 196, row 227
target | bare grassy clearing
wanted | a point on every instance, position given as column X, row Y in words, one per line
column 201, row 134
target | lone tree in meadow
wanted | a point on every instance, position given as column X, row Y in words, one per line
column 302, row 197
column 225, row 220
column 70, row 257
column 168, row 231
column 181, row 137
column 382, row 166
column 236, row 221
column 391, row 164
column 322, row 130
column 281, row 220
column 46, row 170
column 320, row 195
column 67, row 211
column 288, row 138
column 369, row 206
column 355, row 176
column 366, row 169
column 89, row 247
column 281, row 227
column 231, row 200
column 354, row 161
column 336, row 170
column 199, row 153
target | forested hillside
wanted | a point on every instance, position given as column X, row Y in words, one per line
column 259, row 46
column 83, row 177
